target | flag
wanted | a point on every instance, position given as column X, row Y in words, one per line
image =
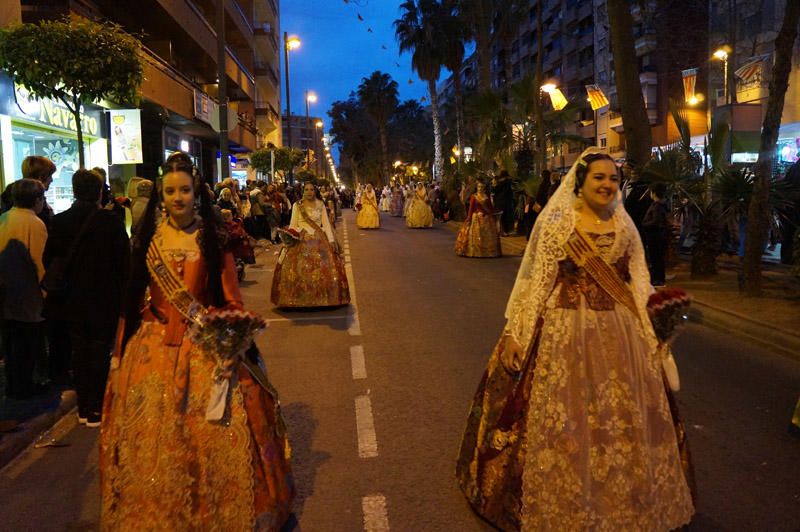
column 689, row 82
column 596, row 97
column 557, row 99
column 751, row 70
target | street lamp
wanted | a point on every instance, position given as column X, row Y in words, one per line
column 318, row 125
column 310, row 98
column 722, row 55
column 289, row 43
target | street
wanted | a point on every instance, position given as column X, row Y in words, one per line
column 376, row 395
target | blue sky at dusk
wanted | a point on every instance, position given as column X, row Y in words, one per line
column 338, row 50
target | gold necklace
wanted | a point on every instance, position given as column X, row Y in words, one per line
column 179, row 227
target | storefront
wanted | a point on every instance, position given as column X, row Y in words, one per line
column 46, row 127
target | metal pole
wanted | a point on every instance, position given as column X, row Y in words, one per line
column 308, row 144
column 224, row 164
column 725, row 85
column 288, row 101
column 272, row 166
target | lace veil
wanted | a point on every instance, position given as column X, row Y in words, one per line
column 546, row 248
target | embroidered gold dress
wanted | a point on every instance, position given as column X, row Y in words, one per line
column 310, row 273
column 163, row 466
column 419, row 213
column 583, row 438
column 478, row 236
column 368, row 216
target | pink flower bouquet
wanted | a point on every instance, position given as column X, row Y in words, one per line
column 290, row 236
column 668, row 310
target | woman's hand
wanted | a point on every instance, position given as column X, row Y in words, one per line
column 512, row 354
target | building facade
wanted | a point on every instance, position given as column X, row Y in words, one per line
column 179, row 108
column 307, row 136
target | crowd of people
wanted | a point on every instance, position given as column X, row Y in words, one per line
column 573, row 424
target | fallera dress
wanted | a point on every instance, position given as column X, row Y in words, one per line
column 397, row 203
column 368, row 216
column 419, row 213
column 478, row 236
column 163, row 466
column 310, row 273
column 585, row 435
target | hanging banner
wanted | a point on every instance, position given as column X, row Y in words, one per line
column 689, row 82
column 126, row 136
column 596, row 97
column 557, row 99
column 752, row 70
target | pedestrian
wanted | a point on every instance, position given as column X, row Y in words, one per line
column 166, row 461
column 571, row 427
column 478, row 236
column 657, row 230
column 89, row 246
column 41, row 169
column 139, row 190
column 258, row 208
column 419, row 215
column 504, row 201
column 368, row 216
column 225, row 201
column 23, row 236
column 310, row 270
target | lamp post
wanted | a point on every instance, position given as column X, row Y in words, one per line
column 222, row 93
column 289, row 43
column 722, row 55
column 310, row 98
column 318, row 163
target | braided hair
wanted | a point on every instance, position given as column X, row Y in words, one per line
column 210, row 243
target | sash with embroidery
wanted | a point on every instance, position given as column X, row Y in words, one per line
column 585, row 254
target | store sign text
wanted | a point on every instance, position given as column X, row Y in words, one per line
column 52, row 113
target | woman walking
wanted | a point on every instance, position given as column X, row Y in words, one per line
column 571, row 427
column 368, row 216
column 167, row 462
column 310, row 272
column 419, row 213
column 478, row 236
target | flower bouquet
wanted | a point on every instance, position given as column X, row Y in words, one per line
column 668, row 310
column 224, row 334
column 290, row 236
column 358, row 206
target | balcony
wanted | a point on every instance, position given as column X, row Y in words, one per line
column 645, row 44
column 265, row 70
column 615, row 121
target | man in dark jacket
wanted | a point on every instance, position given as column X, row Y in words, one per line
column 656, row 227
column 93, row 282
column 504, row 201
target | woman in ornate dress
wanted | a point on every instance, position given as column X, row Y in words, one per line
column 386, row 199
column 408, row 194
column 572, row 427
column 368, row 216
column 310, row 272
column 419, row 213
column 478, row 236
column 397, row 202
column 164, row 465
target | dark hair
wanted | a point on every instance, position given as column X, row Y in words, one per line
column 26, row 192
column 86, row 185
column 659, row 190
column 37, row 167
column 210, row 246
column 582, row 168
column 100, row 171
column 546, row 174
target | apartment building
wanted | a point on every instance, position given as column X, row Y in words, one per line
column 179, row 108
column 307, row 134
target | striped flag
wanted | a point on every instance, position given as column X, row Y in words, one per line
column 689, row 82
column 597, row 98
column 751, row 70
column 557, row 99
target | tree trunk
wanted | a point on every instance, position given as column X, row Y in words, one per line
column 384, row 154
column 540, row 161
column 758, row 211
column 75, row 108
column 483, row 45
column 438, row 163
column 638, row 138
column 459, row 104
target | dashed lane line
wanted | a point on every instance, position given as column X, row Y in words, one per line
column 357, row 362
column 365, row 426
column 376, row 518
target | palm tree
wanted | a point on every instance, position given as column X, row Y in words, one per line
column 476, row 16
column 758, row 222
column 455, row 36
column 378, row 95
column 638, row 137
column 418, row 31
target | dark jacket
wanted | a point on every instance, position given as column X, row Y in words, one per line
column 656, row 222
column 99, row 268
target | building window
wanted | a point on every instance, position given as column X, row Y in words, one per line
column 603, row 142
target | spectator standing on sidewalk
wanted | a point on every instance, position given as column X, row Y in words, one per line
column 94, row 246
column 656, row 227
column 41, row 169
column 504, row 201
column 22, row 240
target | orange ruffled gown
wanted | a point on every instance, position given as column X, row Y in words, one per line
column 478, row 236
column 163, row 465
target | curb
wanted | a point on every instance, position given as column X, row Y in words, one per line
column 15, row 442
column 777, row 340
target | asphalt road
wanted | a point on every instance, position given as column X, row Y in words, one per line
column 374, row 443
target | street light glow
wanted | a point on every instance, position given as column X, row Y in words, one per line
column 693, row 100
column 318, row 123
column 398, row 163
column 293, row 42
column 312, row 97
column 721, row 54
column 548, row 87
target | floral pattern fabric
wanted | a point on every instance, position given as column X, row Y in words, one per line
column 585, row 436
column 310, row 274
column 478, row 236
column 368, row 216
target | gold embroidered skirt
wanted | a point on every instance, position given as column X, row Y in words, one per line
column 478, row 237
column 419, row 214
column 310, row 274
column 368, row 217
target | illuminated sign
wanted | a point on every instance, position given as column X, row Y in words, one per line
column 126, row 136
column 51, row 112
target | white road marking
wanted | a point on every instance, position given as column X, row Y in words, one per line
column 376, row 518
column 30, row 455
column 357, row 362
column 365, row 426
column 309, row 318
